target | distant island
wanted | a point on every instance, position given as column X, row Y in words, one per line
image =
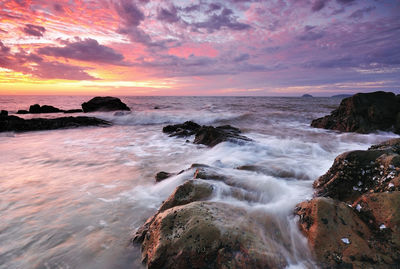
column 307, row 95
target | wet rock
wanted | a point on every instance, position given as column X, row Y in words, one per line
column 4, row 113
column 37, row 109
column 181, row 130
column 206, row 135
column 104, row 104
column 21, row 111
column 73, row 111
column 209, row 235
column 363, row 171
column 160, row 176
column 211, row 136
column 360, row 226
column 339, row 238
column 364, row 113
column 17, row 124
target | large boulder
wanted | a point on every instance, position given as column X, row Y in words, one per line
column 364, row 113
column 340, row 237
column 362, row 171
column 17, row 124
column 356, row 224
column 206, row 135
column 104, row 104
column 37, row 109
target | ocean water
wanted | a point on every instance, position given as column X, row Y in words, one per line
column 74, row 198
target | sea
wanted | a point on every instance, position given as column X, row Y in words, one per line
column 73, row 198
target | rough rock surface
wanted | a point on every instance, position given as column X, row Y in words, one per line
column 363, row 171
column 3, row 113
column 364, row 113
column 17, row 124
column 357, row 223
column 190, row 232
column 206, row 135
column 107, row 103
column 160, row 176
column 37, row 109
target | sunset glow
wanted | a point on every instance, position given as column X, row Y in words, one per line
column 200, row 47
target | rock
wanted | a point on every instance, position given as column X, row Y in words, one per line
column 104, row 104
column 37, row 109
column 339, row 238
column 21, row 111
column 341, row 96
column 364, row 113
column 211, row 136
column 209, row 235
column 307, row 96
column 73, row 111
column 160, row 176
column 4, row 113
column 17, row 124
column 181, row 130
column 362, row 171
column 206, row 135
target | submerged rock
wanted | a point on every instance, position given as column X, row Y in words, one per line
column 160, row 176
column 37, row 109
column 364, row 113
column 358, row 226
column 206, row 135
column 104, row 104
column 17, row 124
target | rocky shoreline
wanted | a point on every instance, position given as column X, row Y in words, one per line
column 11, row 123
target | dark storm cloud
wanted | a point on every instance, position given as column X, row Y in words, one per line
column 168, row 15
column 34, row 30
column 88, row 50
column 225, row 19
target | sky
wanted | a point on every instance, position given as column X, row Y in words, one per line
column 199, row 47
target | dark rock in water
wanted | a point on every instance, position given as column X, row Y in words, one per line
column 17, row 124
column 360, row 226
column 307, row 95
column 160, row 176
column 3, row 113
column 73, row 111
column 211, row 136
column 364, row 113
column 362, row 171
column 181, row 130
column 37, row 109
column 21, row 111
column 206, row 135
column 104, row 104
column 156, row 107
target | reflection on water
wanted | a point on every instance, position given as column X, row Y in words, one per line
column 72, row 198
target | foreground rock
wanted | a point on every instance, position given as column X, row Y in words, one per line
column 206, row 135
column 364, row 113
column 104, row 104
column 189, row 232
column 17, row 124
column 357, row 222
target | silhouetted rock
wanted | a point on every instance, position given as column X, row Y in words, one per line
column 364, row 113
column 73, row 111
column 160, row 176
column 37, row 109
column 3, row 113
column 206, row 135
column 307, row 96
column 357, row 223
column 21, row 111
column 104, row 104
column 187, row 128
column 211, row 136
column 341, row 96
column 14, row 123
